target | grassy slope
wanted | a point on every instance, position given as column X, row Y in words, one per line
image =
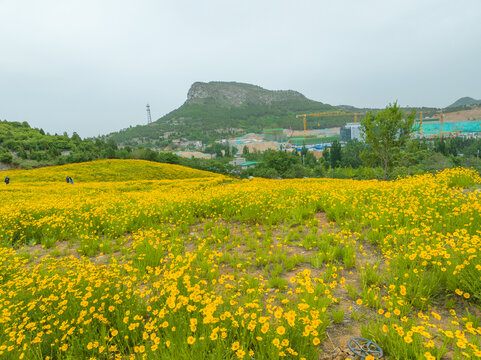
column 108, row 170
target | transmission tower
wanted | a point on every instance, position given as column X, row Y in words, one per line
column 149, row 118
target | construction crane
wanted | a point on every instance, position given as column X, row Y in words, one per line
column 441, row 123
column 327, row 113
column 421, row 122
column 421, row 114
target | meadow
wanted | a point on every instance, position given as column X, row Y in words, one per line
column 175, row 263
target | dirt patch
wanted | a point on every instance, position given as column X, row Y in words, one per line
column 321, row 218
column 59, row 250
column 335, row 346
column 463, row 115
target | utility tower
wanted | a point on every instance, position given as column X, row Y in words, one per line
column 149, row 118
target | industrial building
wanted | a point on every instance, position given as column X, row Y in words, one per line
column 243, row 163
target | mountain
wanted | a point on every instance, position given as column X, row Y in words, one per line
column 216, row 110
column 465, row 101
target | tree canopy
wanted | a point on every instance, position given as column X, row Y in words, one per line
column 387, row 132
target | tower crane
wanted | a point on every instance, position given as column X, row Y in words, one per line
column 421, row 123
column 441, row 122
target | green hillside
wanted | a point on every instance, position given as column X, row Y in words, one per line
column 24, row 147
column 465, row 101
column 220, row 109
column 27, row 147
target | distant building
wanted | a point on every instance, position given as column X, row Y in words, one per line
column 351, row 131
column 248, row 164
column 187, row 143
column 238, row 161
column 242, row 163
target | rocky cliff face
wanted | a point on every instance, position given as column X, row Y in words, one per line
column 237, row 94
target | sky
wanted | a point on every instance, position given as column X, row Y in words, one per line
column 91, row 66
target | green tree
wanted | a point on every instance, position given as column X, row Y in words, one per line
column 335, row 154
column 296, row 171
column 440, row 146
column 326, row 155
column 351, row 154
column 387, row 132
column 310, row 160
column 451, row 147
column 281, row 161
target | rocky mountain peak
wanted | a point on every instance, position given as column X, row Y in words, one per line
column 237, row 94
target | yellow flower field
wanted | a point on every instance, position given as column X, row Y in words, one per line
column 108, row 170
column 140, row 265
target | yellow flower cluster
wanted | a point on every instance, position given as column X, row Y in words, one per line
column 239, row 269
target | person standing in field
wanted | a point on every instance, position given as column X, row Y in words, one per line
column 7, row 180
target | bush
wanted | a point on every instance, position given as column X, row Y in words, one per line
column 6, row 157
column 435, row 162
column 471, row 162
column 296, row 171
column 319, row 171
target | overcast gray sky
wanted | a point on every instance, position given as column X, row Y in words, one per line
column 91, row 66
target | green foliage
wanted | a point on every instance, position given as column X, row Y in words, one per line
column 33, row 148
column 338, row 316
column 5, row 157
column 351, row 154
column 436, row 161
column 387, row 133
column 335, row 154
column 281, row 161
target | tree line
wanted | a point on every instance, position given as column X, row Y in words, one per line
column 387, row 152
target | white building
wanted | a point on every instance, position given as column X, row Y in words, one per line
column 237, row 161
column 351, row 131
